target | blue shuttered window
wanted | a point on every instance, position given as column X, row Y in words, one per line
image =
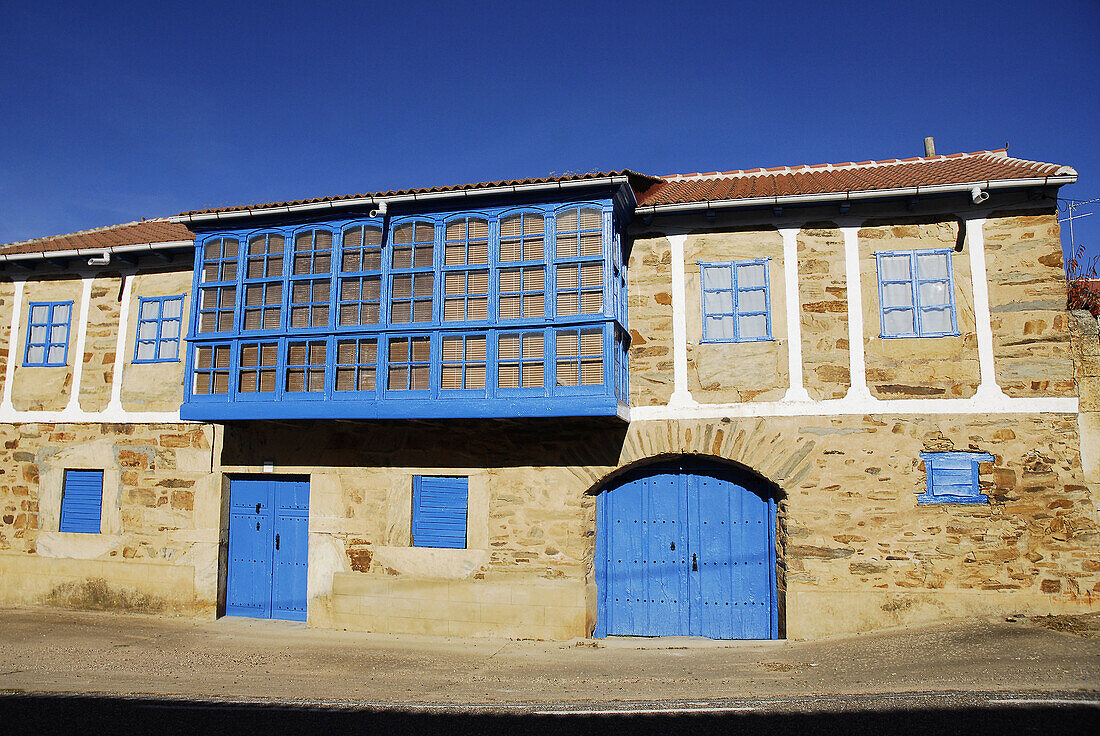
column 953, row 477
column 439, row 511
column 82, row 501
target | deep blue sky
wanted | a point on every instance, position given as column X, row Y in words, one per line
column 112, row 113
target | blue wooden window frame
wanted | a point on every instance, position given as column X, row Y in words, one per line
column 217, row 292
column 466, row 269
column 257, row 370
column 918, row 290
column 48, row 328
column 311, row 279
column 579, row 269
column 464, row 363
column 262, row 286
column 440, row 506
column 306, row 366
column 521, row 362
column 952, row 477
column 157, row 332
column 412, row 279
column 82, row 501
column 360, row 281
column 409, row 364
column 357, row 365
column 579, row 358
column 522, row 273
column 213, row 365
column 727, row 299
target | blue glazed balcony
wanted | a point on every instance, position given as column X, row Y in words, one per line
column 506, row 311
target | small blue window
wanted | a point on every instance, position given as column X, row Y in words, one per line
column 439, row 511
column 160, row 320
column 736, row 301
column 916, row 293
column 953, row 477
column 48, row 334
column 82, row 501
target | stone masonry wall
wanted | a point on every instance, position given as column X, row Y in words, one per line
column 649, row 287
column 1027, row 299
column 162, row 508
column 100, row 343
column 761, row 367
column 823, row 297
column 928, row 367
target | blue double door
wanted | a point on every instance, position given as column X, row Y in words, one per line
column 268, row 548
column 685, row 549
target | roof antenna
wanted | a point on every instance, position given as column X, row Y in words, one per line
column 929, row 147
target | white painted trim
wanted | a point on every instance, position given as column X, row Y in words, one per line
column 983, row 320
column 681, row 395
column 797, row 389
column 13, row 345
column 860, row 407
column 81, row 341
column 115, row 404
column 857, row 362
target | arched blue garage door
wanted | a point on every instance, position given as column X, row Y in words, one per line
column 685, row 549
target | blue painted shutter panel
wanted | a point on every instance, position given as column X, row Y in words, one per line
column 82, row 501
column 439, row 511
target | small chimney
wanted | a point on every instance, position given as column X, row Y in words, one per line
column 929, row 146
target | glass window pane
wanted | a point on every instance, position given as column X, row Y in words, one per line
column 36, row 354
column 753, row 327
column 40, row 313
column 899, row 322
column 935, row 320
column 173, row 308
column 167, row 350
column 894, row 268
column 751, row 301
column 719, row 328
column 57, row 354
column 59, row 333
column 38, row 334
column 897, row 295
column 61, row 313
column 145, row 350
column 170, row 329
column 148, row 310
column 932, row 266
column 751, row 275
column 933, row 293
column 716, row 277
column 719, row 302
column 146, row 331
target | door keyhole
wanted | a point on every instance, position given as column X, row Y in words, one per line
column 694, row 563
column 276, row 541
column 257, row 526
column 672, row 546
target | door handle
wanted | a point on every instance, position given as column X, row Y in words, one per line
column 257, row 508
column 276, row 541
column 694, row 563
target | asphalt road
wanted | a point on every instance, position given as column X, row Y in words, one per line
column 924, row 714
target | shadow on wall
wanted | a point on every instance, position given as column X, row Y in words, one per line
column 474, row 443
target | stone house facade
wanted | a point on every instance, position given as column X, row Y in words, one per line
column 753, row 404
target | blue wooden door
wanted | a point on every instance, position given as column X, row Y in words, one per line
column 683, row 549
column 268, row 548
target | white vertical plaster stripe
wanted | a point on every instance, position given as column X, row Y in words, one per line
column 115, row 404
column 856, row 360
column 13, row 346
column 797, row 389
column 983, row 324
column 681, row 396
column 73, row 406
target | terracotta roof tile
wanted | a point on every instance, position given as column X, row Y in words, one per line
column 637, row 181
column 863, row 176
column 131, row 233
